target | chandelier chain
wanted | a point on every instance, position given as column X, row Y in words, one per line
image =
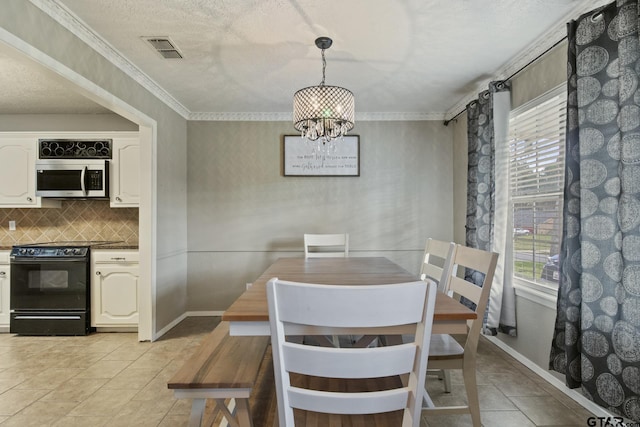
column 324, row 66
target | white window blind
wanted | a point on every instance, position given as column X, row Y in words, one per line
column 536, row 171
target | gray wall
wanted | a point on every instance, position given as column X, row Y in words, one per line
column 535, row 321
column 244, row 214
column 30, row 24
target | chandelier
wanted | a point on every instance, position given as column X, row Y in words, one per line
column 323, row 112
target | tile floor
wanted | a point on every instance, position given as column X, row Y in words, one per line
column 111, row 379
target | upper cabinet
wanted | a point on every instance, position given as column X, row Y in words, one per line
column 125, row 173
column 18, row 173
column 19, row 153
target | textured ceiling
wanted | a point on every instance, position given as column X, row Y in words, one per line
column 28, row 88
column 250, row 56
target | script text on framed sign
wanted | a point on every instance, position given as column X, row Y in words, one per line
column 302, row 157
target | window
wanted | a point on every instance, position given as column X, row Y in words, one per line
column 536, row 170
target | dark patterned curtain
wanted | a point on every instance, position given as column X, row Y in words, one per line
column 596, row 342
column 487, row 199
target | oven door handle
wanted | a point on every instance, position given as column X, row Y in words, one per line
column 46, row 260
column 45, row 317
column 82, row 178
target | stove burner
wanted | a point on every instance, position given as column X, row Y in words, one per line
column 68, row 249
column 49, row 252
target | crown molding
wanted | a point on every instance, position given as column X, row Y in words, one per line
column 240, row 117
column 542, row 44
column 406, row 116
column 287, row 117
column 71, row 22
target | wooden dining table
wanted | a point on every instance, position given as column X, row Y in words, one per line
column 249, row 314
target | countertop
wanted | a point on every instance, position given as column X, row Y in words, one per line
column 110, row 246
column 113, row 246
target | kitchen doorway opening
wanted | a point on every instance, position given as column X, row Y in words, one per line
column 148, row 171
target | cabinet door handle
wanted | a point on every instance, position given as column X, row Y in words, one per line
column 3, row 273
column 118, row 258
column 118, row 199
column 98, row 273
column 29, row 199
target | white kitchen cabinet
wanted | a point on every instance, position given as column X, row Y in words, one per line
column 114, row 288
column 125, row 173
column 4, row 289
column 18, row 173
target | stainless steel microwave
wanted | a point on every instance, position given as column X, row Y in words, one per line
column 72, row 178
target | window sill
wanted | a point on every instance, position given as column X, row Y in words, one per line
column 540, row 294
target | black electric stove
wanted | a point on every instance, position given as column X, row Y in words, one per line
column 50, row 288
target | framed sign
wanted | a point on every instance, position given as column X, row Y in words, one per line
column 302, row 158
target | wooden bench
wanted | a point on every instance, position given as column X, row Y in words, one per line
column 224, row 367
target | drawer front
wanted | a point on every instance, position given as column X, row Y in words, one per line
column 115, row 257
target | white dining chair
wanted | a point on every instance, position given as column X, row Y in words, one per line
column 364, row 384
column 326, row 245
column 445, row 352
column 437, row 265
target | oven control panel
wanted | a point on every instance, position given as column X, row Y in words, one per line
column 48, row 252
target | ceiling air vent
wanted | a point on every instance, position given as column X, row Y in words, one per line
column 165, row 47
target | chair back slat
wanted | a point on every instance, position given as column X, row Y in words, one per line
column 385, row 305
column 335, row 245
column 468, row 290
column 430, row 271
column 474, row 258
column 355, row 403
column 331, row 362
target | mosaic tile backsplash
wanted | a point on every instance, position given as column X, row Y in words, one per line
column 75, row 220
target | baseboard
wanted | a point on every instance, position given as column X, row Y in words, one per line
column 170, row 326
column 183, row 316
column 117, row 329
column 547, row 376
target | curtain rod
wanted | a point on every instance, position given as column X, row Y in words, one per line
column 446, row 122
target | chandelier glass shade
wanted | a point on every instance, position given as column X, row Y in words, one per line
column 323, row 112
